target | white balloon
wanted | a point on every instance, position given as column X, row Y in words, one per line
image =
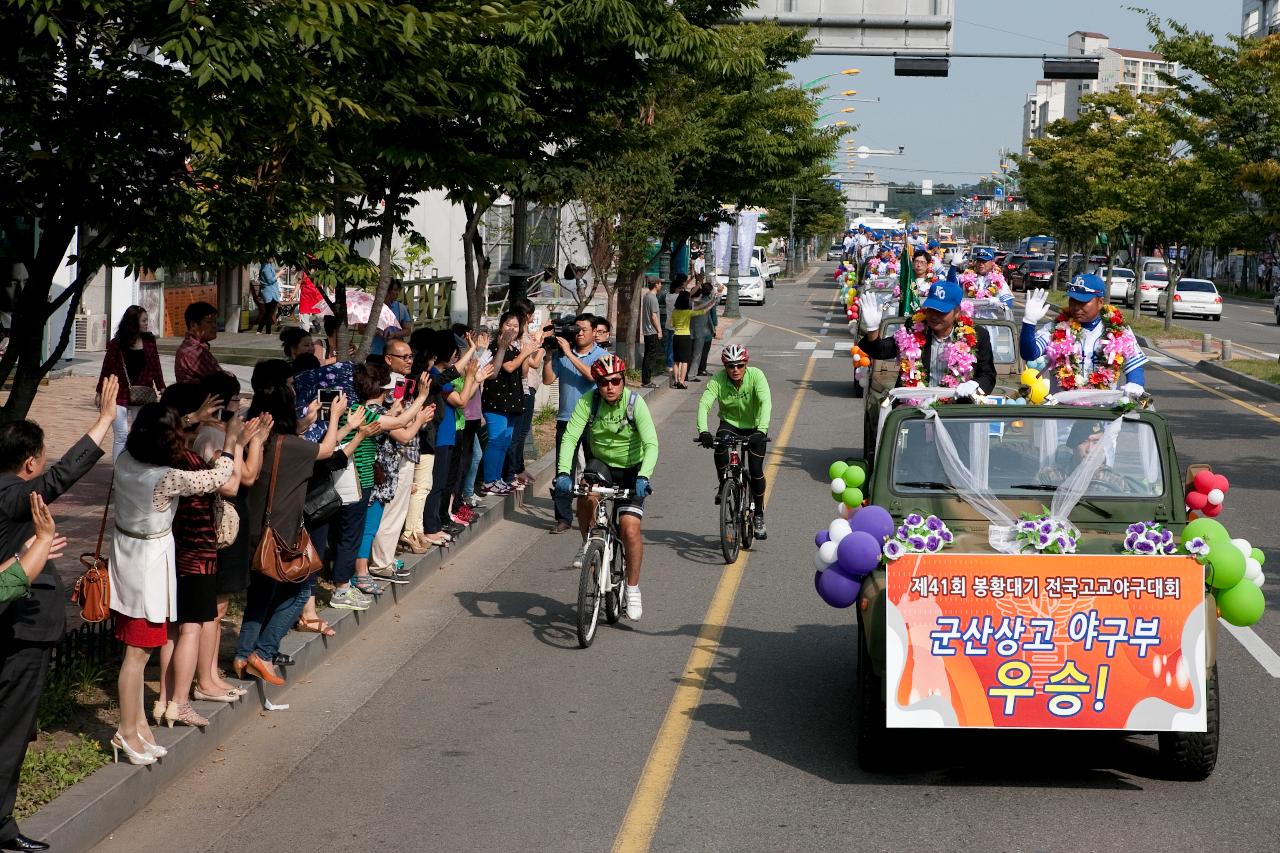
column 827, row 552
column 843, row 511
column 1252, row 569
column 1260, row 580
column 817, row 560
column 1243, row 546
column 838, row 529
column 837, row 486
column 1216, row 497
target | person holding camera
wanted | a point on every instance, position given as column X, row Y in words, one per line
column 572, row 367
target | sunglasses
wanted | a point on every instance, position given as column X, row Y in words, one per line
column 735, row 365
column 610, row 381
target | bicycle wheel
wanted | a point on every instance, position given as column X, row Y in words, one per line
column 730, row 543
column 746, row 517
column 589, row 595
column 617, row 577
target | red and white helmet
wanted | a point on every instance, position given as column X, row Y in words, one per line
column 607, row 365
column 734, row 353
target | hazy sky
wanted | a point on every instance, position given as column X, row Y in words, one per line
column 978, row 108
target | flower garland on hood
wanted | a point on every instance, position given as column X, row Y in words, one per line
column 960, row 358
column 976, row 287
column 1063, row 354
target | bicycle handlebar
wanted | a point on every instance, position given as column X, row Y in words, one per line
column 602, row 491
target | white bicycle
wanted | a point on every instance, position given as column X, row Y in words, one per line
column 604, row 564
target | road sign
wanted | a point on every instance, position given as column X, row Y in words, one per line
column 926, row 187
column 999, row 192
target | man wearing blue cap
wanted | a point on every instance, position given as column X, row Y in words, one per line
column 988, row 284
column 933, row 247
column 941, row 309
column 847, row 244
column 1103, row 351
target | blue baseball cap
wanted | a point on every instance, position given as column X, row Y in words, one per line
column 984, row 254
column 933, row 244
column 1086, row 287
column 944, row 296
column 915, row 228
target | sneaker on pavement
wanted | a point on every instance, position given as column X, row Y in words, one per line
column 580, row 557
column 388, row 574
column 761, row 533
column 471, row 500
column 459, row 518
column 649, row 385
column 346, row 599
column 634, row 608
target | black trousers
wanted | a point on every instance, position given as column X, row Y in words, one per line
column 706, row 351
column 651, row 352
column 755, row 461
column 437, row 508
column 22, row 675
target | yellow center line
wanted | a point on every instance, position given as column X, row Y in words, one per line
column 641, row 820
column 788, row 331
column 1249, row 407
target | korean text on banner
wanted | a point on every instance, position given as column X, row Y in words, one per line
column 1062, row 642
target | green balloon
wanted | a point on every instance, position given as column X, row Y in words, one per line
column 1206, row 529
column 852, row 497
column 855, row 476
column 838, row 469
column 1259, row 556
column 1242, row 604
column 1226, row 565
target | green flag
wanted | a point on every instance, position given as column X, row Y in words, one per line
column 907, row 302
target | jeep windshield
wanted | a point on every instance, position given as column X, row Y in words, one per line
column 1026, row 457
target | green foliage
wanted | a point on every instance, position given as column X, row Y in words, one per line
column 1015, row 224
column 67, row 690
column 49, row 770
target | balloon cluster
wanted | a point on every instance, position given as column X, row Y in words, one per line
column 1208, row 491
column 1035, row 388
column 846, row 485
column 860, row 358
column 848, row 551
column 1233, row 570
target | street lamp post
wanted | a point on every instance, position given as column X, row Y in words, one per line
column 731, row 307
column 848, row 72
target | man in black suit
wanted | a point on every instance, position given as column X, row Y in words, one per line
column 941, row 309
column 31, row 626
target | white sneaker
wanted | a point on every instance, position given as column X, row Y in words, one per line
column 634, row 608
column 580, row 557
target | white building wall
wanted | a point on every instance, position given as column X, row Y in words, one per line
column 1259, row 18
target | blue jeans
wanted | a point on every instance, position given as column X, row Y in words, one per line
column 473, row 468
column 519, row 436
column 269, row 612
column 500, row 429
column 350, row 523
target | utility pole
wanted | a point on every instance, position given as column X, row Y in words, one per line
column 791, row 238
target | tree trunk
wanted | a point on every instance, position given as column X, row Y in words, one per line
column 342, row 343
column 1171, row 264
column 624, row 293
column 386, row 233
column 477, row 280
column 1135, row 259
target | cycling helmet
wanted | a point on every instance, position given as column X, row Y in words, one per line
column 734, row 353
column 607, row 365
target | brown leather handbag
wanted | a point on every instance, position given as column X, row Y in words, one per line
column 93, row 590
column 276, row 558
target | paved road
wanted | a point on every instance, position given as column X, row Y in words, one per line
column 1246, row 322
column 472, row 722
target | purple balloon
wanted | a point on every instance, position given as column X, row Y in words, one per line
column 858, row 554
column 821, row 538
column 874, row 520
column 837, row 589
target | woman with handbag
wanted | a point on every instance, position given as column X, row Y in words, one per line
column 148, row 484
column 283, row 555
column 133, row 359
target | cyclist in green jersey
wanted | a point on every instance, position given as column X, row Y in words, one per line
column 745, row 408
column 620, row 434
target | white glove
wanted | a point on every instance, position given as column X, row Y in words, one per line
column 869, row 313
column 968, row 389
column 1037, row 307
column 1133, row 390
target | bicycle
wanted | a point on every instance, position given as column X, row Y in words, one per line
column 737, row 506
column 604, row 564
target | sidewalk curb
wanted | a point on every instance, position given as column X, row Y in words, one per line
column 1218, row 371
column 86, row 813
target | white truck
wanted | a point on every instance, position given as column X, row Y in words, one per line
column 768, row 267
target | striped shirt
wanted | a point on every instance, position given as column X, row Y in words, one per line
column 195, row 537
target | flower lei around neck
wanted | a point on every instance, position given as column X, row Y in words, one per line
column 880, row 267
column 976, row 287
column 1114, row 348
column 960, row 358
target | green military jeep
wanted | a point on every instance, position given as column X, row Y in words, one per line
column 1017, row 456
column 884, row 373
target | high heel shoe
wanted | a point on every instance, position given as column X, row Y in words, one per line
column 267, row 672
column 409, row 542
column 157, row 711
column 118, row 743
column 184, row 714
column 153, row 749
column 228, row 696
column 239, row 666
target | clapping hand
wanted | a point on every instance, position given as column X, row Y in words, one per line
column 869, row 313
column 107, row 399
column 208, row 410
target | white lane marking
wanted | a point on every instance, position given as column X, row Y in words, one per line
column 824, row 353
column 806, row 344
column 1255, row 646
column 1163, row 360
column 844, row 346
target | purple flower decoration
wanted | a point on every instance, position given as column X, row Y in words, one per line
column 933, row 544
column 913, row 520
column 933, row 523
column 1169, row 549
column 1144, row 547
column 1130, row 541
column 1166, row 537
column 903, row 532
column 1071, row 542
column 916, row 543
column 893, row 549
column 1044, row 537
column 946, row 536
column 1137, row 527
column 1046, row 526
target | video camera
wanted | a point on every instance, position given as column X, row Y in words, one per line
column 565, row 326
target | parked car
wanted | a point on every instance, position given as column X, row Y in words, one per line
column 836, row 252
column 1153, row 281
column 1196, row 296
column 1031, row 274
column 750, row 286
column 1121, row 279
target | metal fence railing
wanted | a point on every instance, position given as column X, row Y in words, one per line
column 94, row 642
